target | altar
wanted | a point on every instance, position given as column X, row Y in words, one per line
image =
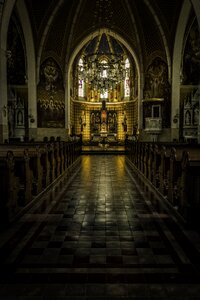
column 111, row 138
column 103, row 125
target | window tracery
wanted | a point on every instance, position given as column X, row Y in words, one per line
column 127, row 79
column 81, row 83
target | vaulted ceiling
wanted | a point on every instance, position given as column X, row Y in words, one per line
column 64, row 24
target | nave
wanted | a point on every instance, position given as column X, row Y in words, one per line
column 100, row 235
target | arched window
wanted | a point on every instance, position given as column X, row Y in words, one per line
column 104, row 74
column 127, row 79
column 81, row 83
column 104, row 95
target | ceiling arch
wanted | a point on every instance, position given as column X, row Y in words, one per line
column 44, row 35
column 177, row 56
column 83, row 43
column 91, row 37
column 164, row 38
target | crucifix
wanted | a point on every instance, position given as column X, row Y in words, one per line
column 103, row 117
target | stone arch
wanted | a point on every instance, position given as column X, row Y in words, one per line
column 196, row 6
column 164, row 38
column 31, row 61
column 68, row 68
column 45, row 32
column 177, row 59
column 28, row 37
column 5, row 17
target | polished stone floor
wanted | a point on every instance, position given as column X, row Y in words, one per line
column 103, row 149
column 102, row 235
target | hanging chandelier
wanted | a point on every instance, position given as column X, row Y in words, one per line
column 102, row 66
column 102, row 72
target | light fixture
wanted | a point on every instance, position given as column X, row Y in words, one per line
column 102, row 71
column 102, row 62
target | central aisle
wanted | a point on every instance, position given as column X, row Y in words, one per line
column 99, row 237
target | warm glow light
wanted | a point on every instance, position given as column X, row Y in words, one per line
column 103, row 74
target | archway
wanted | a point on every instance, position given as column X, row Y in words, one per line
column 9, row 7
column 69, row 69
column 176, row 70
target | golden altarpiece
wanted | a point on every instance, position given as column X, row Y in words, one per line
column 104, row 100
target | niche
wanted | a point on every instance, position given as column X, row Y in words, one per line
column 156, row 111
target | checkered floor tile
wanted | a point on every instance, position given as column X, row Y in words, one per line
column 102, row 236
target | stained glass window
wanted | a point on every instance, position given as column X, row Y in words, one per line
column 127, row 79
column 104, row 94
column 81, row 83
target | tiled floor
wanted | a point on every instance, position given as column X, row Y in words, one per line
column 102, row 236
column 103, row 149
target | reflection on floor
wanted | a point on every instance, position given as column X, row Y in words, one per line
column 102, row 236
column 103, row 149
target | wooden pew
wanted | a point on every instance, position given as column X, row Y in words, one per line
column 9, row 188
column 173, row 179
column 146, row 160
column 44, row 159
column 173, row 171
column 150, row 163
column 36, row 167
column 28, row 168
column 164, row 171
column 62, row 157
column 189, row 205
column 34, row 154
column 156, row 166
column 25, row 174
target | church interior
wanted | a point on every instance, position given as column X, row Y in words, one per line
column 99, row 150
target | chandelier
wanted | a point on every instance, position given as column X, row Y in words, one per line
column 102, row 71
column 102, row 66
